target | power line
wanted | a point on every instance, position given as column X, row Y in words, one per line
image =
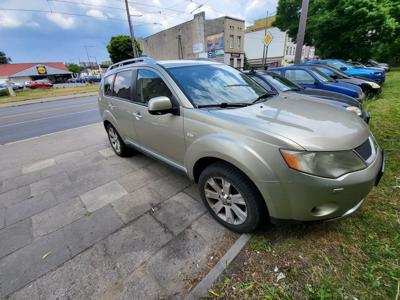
column 116, row 8
column 70, row 14
column 154, row 6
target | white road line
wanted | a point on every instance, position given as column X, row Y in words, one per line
column 48, row 134
column 47, row 118
column 46, row 110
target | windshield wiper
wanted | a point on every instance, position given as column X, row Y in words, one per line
column 263, row 96
column 238, row 84
column 223, row 105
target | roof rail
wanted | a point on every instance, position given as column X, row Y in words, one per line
column 146, row 59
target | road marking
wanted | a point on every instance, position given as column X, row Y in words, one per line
column 47, row 118
column 48, row 134
column 45, row 110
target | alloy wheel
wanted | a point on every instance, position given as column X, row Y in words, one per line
column 225, row 200
column 114, row 139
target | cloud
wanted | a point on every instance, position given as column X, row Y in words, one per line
column 95, row 13
column 9, row 21
column 63, row 21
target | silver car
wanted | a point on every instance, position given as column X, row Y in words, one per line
column 254, row 154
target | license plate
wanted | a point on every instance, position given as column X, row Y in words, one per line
column 382, row 170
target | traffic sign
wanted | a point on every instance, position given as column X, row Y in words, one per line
column 268, row 39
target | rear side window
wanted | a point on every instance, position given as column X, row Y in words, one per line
column 108, row 82
column 299, row 76
column 149, row 85
column 122, row 85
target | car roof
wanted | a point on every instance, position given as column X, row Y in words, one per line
column 289, row 67
column 185, row 63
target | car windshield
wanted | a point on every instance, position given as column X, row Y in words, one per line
column 282, row 83
column 321, row 76
column 338, row 64
column 215, row 84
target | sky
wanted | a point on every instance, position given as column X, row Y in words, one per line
column 72, row 30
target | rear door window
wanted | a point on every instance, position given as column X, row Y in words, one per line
column 123, row 85
column 299, row 76
column 108, row 85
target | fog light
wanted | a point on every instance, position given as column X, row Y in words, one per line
column 324, row 209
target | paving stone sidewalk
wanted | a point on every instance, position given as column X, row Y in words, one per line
column 78, row 222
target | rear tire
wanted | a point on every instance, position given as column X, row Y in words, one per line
column 117, row 144
column 231, row 197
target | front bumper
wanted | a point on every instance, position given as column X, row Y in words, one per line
column 366, row 116
column 310, row 198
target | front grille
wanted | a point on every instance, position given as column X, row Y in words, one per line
column 365, row 150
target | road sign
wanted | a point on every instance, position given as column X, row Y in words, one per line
column 268, row 39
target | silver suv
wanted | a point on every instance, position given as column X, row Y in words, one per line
column 254, row 154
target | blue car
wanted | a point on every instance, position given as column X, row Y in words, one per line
column 377, row 75
column 310, row 78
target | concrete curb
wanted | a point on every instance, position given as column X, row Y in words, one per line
column 202, row 288
column 40, row 100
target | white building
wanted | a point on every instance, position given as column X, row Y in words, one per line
column 280, row 52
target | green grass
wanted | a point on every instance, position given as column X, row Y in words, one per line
column 355, row 258
column 46, row 93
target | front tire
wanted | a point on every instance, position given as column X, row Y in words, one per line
column 231, row 197
column 117, row 144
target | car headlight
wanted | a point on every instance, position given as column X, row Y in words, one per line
column 323, row 164
column 378, row 73
column 354, row 109
column 374, row 85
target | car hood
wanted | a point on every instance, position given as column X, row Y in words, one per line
column 312, row 125
column 360, row 71
column 345, row 86
column 324, row 94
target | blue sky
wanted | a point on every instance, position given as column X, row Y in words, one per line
column 28, row 36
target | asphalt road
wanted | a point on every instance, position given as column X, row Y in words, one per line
column 30, row 120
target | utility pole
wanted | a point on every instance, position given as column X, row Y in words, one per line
column 131, row 29
column 301, row 32
column 87, row 53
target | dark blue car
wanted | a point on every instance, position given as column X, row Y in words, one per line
column 377, row 75
column 311, row 78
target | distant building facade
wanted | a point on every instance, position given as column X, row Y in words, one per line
column 22, row 72
column 280, row 51
column 220, row 39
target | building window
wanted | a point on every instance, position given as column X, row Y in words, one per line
column 231, row 41
column 239, row 42
column 287, row 50
column 232, row 28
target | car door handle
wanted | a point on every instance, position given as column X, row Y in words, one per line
column 137, row 115
column 111, row 106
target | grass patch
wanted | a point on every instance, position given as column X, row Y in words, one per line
column 29, row 94
column 355, row 258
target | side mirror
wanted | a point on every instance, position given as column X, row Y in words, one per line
column 160, row 105
column 343, row 68
column 334, row 76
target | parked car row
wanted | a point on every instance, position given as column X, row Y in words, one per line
column 87, row 79
column 371, row 73
column 258, row 144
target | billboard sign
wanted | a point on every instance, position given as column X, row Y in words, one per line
column 216, row 45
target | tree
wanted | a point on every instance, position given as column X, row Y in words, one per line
column 74, row 68
column 120, row 48
column 346, row 29
column 4, row 59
